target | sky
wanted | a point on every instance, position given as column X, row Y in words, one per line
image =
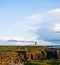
column 30, row 20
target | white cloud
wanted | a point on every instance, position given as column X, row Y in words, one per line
column 28, row 26
column 53, row 18
column 43, row 43
column 54, row 11
column 39, row 25
column 47, row 23
column 51, row 26
column 11, row 38
column 56, row 27
column 32, row 18
column 39, row 42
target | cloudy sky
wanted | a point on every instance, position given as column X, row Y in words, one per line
column 30, row 20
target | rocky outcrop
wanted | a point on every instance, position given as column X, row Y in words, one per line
column 58, row 53
column 51, row 54
column 41, row 55
column 35, row 55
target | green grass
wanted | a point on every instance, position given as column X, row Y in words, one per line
column 16, row 48
column 43, row 62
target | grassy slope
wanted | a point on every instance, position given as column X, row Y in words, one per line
column 43, row 62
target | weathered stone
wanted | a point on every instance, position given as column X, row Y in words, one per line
column 58, row 53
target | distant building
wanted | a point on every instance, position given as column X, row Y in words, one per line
column 35, row 43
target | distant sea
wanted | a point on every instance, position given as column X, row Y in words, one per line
column 55, row 46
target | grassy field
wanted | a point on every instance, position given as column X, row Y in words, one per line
column 43, row 62
column 20, row 48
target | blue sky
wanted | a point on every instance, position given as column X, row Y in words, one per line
column 30, row 20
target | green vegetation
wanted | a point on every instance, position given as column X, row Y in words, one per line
column 43, row 62
column 20, row 48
